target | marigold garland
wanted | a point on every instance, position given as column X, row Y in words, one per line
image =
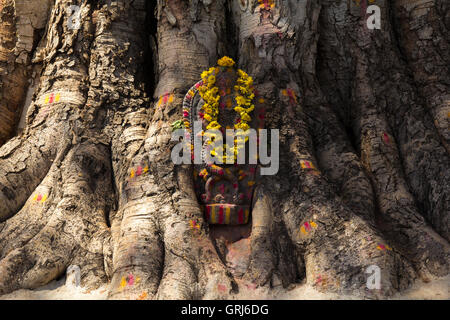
column 226, row 62
column 210, row 95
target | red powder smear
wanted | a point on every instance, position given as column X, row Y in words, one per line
column 39, row 198
column 197, row 85
column 308, row 227
column 52, row 98
column 201, row 115
column 241, row 216
column 185, row 114
column 292, row 97
column 130, row 280
column 363, row 8
column 139, row 171
column 166, row 98
column 251, row 286
column 208, row 212
column 221, row 215
column 262, row 114
column 386, row 137
column 222, row 287
column 381, row 246
column 266, row 4
column 319, row 279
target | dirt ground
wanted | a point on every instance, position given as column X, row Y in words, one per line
column 437, row 289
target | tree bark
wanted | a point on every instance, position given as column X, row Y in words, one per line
column 364, row 156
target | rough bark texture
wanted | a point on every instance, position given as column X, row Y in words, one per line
column 90, row 181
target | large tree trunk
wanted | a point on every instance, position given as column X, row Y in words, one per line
column 364, row 145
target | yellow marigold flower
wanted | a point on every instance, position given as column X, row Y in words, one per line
column 211, row 82
column 241, row 100
column 243, row 90
column 242, row 73
column 242, row 126
column 213, row 125
column 239, row 109
column 226, row 62
column 245, row 117
column 204, row 173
